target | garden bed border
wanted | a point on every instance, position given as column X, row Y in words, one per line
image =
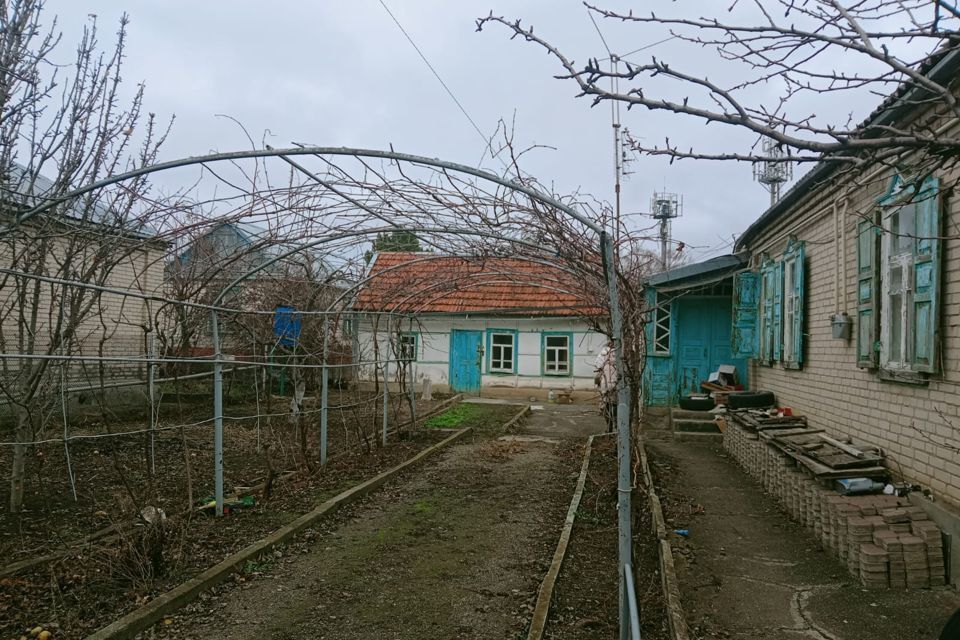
column 668, row 574
column 539, row 621
column 141, row 619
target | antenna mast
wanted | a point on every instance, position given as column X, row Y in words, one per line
column 617, row 149
column 771, row 172
column 665, row 207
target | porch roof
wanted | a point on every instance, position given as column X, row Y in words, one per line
column 699, row 273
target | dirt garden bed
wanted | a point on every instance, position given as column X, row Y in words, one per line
column 96, row 583
column 585, row 600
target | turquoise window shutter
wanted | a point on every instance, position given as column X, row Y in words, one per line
column 745, row 337
column 777, row 310
column 926, row 280
column 868, row 283
column 766, row 310
column 794, row 260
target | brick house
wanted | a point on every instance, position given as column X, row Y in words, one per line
column 476, row 323
column 876, row 261
column 82, row 241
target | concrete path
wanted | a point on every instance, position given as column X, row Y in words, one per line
column 564, row 420
column 748, row 572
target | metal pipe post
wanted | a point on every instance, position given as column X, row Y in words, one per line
column 217, row 412
column 623, row 433
column 151, row 389
column 386, row 396
column 412, row 366
column 324, row 391
column 66, row 425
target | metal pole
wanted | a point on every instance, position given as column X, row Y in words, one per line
column 324, row 391
column 623, row 433
column 386, row 395
column 217, row 413
column 66, row 422
column 617, row 147
column 151, row 388
column 412, row 366
column 664, row 242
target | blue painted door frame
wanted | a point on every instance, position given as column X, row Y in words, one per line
column 465, row 359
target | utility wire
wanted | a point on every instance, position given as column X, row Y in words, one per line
column 453, row 97
column 599, row 33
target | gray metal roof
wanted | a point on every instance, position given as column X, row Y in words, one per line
column 700, row 272
column 25, row 189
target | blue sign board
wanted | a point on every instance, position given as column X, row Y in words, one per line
column 286, row 325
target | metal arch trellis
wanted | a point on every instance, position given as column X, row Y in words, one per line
column 604, row 240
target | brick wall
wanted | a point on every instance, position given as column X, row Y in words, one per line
column 917, row 426
column 114, row 326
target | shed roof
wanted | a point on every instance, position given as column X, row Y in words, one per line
column 699, row 273
column 430, row 283
column 942, row 67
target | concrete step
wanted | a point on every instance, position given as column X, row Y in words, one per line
column 658, row 434
column 683, row 414
column 688, row 436
column 696, row 426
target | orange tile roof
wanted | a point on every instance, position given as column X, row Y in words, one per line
column 430, row 283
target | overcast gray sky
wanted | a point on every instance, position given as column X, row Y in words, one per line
column 342, row 73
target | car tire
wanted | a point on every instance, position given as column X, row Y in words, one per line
column 751, row 399
column 696, row 403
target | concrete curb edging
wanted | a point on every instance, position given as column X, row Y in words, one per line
column 668, row 574
column 517, row 418
column 542, row 608
column 140, row 619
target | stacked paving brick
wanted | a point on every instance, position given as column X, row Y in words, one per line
column 883, row 540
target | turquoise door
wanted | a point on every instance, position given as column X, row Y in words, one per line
column 703, row 342
column 465, row 358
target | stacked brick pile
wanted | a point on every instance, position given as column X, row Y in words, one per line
column 883, row 540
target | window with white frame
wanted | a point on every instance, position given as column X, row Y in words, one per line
column 502, row 352
column 895, row 282
column 898, row 286
column 556, row 355
column 661, row 327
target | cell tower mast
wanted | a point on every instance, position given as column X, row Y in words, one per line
column 773, row 173
column 665, row 207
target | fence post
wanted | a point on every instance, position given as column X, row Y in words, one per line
column 66, row 421
column 324, row 394
column 386, row 395
column 217, row 412
column 151, row 390
column 623, row 433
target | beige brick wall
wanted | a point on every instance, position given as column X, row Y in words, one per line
column 114, row 326
column 917, row 426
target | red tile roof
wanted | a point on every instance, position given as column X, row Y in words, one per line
column 430, row 283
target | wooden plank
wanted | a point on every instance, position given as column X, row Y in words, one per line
column 856, row 453
column 825, row 472
column 539, row 622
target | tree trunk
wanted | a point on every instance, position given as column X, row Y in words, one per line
column 22, row 434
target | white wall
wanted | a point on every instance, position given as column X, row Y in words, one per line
column 433, row 357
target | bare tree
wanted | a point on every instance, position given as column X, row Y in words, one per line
column 61, row 129
column 779, row 58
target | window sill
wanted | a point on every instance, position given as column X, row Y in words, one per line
column 903, row 377
column 501, row 373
